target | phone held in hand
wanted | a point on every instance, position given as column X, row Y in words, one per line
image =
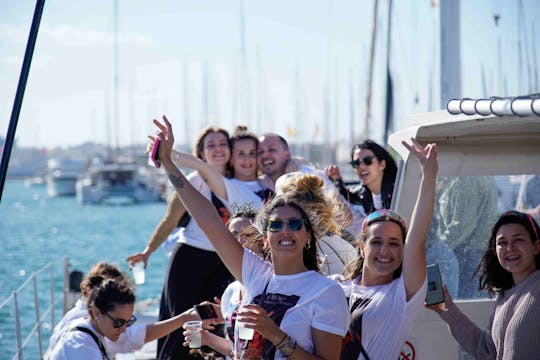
column 206, row 311
column 154, row 155
column 435, row 294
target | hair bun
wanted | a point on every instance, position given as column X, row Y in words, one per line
column 239, row 129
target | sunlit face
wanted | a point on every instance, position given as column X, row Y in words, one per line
column 216, row 150
column 286, row 243
column 272, row 157
column 370, row 175
column 104, row 324
column 244, row 159
column 516, row 251
column 238, row 224
column 382, row 250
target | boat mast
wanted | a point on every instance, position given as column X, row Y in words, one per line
column 116, row 80
column 19, row 95
column 371, row 68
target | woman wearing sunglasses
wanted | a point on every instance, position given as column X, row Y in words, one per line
column 509, row 269
column 295, row 311
column 386, row 285
column 135, row 336
column 376, row 169
column 110, row 312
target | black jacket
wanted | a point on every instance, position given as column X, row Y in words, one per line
column 361, row 195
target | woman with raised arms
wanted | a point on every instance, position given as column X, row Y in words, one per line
column 386, row 286
column 296, row 312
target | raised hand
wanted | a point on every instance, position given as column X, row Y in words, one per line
column 427, row 156
column 166, row 137
column 332, row 171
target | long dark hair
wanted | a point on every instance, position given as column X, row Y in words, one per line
column 493, row 276
column 390, row 171
column 310, row 254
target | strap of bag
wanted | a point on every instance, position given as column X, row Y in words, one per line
column 94, row 336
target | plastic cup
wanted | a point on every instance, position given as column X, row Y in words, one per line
column 138, row 272
column 244, row 333
column 194, row 329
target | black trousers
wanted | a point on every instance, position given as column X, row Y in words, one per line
column 193, row 276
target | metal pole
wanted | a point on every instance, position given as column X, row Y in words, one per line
column 38, row 317
column 52, row 297
column 18, row 326
column 17, row 103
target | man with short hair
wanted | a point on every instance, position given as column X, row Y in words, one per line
column 273, row 155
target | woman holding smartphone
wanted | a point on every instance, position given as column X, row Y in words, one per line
column 509, row 269
column 386, row 286
column 195, row 272
column 296, row 312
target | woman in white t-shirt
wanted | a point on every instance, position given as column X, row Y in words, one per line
column 242, row 191
column 110, row 312
column 296, row 312
column 386, row 286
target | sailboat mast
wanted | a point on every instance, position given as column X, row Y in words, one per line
column 116, row 79
column 371, row 68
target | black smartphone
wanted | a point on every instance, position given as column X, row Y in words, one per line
column 435, row 294
column 154, row 155
column 206, row 311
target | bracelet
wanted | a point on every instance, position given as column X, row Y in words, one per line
column 280, row 341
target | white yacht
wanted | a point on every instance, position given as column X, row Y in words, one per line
column 62, row 176
column 117, row 183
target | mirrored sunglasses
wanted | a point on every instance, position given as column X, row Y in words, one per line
column 294, row 224
column 367, row 160
column 384, row 215
column 118, row 323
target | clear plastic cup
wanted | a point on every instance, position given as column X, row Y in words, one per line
column 194, row 329
column 244, row 333
column 138, row 273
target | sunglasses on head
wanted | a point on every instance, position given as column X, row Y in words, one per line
column 118, row 323
column 384, row 215
column 367, row 160
column 294, row 224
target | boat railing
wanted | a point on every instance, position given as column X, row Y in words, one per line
column 41, row 315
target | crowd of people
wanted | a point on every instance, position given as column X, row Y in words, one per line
column 317, row 269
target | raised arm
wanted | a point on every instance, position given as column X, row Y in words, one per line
column 202, row 210
column 173, row 214
column 211, row 175
column 414, row 252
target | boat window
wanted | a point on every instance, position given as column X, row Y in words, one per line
column 466, row 208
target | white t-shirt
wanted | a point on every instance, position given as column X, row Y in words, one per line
column 386, row 317
column 130, row 340
column 297, row 303
column 78, row 344
column 230, row 302
column 192, row 234
column 377, row 201
column 242, row 195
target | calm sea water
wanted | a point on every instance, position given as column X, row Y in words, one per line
column 36, row 230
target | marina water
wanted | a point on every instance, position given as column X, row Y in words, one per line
column 36, row 229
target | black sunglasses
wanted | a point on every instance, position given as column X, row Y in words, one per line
column 368, row 160
column 294, row 224
column 118, row 323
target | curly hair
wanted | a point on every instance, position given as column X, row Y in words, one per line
column 326, row 213
column 109, row 294
column 493, row 276
column 100, row 272
column 390, row 171
column 283, row 200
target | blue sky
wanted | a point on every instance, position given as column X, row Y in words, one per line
column 295, row 53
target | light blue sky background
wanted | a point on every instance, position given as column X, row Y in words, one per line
column 296, row 52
